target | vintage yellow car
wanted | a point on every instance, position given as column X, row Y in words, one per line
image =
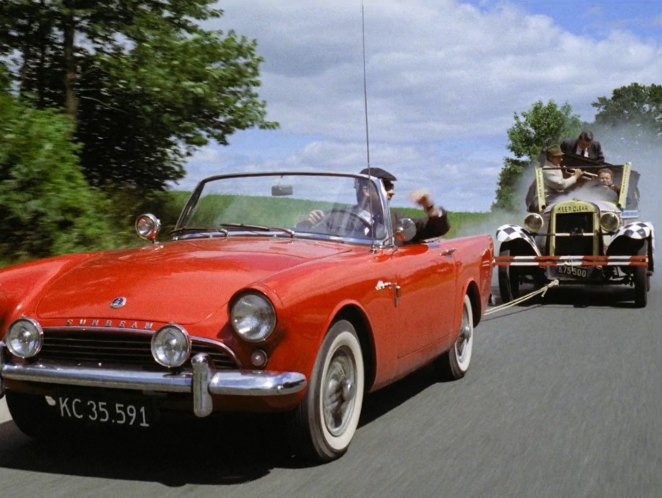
column 591, row 235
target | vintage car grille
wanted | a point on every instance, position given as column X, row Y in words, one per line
column 117, row 348
column 574, row 224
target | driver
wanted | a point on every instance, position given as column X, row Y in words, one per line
column 434, row 224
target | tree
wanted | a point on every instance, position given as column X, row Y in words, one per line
column 47, row 207
column 142, row 81
column 632, row 115
column 632, row 104
column 533, row 131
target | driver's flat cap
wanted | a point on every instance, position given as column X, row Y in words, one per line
column 379, row 173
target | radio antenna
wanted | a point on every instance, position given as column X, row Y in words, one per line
column 365, row 89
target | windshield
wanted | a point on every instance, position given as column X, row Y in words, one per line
column 612, row 183
column 350, row 207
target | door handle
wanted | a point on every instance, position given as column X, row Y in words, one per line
column 381, row 285
column 449, row 252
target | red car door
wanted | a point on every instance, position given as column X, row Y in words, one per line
column 426, row 281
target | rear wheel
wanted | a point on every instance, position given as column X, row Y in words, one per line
column 641, row 280
column 328, row 415
column 508, row 280
column 454, row 364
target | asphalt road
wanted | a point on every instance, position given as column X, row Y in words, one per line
column 563, row 399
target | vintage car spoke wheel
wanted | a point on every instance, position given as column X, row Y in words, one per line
column 455, row 362
column 508, row 280
column 33, row 416
column 641, row 280
column 328, row 416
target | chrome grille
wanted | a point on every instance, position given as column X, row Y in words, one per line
column 117, row 348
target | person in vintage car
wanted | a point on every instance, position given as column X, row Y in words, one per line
column 241, row 310
column 585, row 146
column 556, row 183
column 591, row 235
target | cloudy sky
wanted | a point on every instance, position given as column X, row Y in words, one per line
column 444, row 79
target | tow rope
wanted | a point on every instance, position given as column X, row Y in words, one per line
column 523, row 298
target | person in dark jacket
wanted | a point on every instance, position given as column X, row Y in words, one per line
column 585, row 147
column 434, row 224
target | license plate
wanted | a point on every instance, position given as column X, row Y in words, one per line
column 572, row 271
column 105, row 412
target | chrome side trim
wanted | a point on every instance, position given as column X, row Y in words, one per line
column 202, row 383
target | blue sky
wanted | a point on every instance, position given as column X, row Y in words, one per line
column 444, row 79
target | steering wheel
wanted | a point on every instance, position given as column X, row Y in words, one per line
column 345, row 219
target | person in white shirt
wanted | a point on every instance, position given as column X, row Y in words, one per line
column 552, row 171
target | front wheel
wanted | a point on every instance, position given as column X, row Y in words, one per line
column 508, row 280
column 641, row 280
column 327, row 418
column 454, row 364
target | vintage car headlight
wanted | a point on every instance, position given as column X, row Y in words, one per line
column 609, row 221
column 533, row 222
column 171, row 346
column 147, row 226
column 24, row 338
column 253, row 317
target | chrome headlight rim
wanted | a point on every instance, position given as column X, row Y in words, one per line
column 533, row 222
column 10, row 338
column 147, row 226
column 610, row 221
column 252, row 316
column 179, row 338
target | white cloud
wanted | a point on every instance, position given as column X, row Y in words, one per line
column 437, row 71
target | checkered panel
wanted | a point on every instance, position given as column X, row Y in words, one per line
column 638, row 230
column 507, row 233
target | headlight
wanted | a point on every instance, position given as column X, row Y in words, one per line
column 253, row 317
column 147, row 226
column 609, row 221
column 171, row 346
column 24, row 338
column 533, row 222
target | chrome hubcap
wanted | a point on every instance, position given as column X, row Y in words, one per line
column 339, row 392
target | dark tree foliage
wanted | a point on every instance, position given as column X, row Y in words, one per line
column 636, row 110
column 143, row 82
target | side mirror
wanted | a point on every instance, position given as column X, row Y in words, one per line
column 405, row 230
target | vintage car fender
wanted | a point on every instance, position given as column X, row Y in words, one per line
column 510, row 233
column 639, row 230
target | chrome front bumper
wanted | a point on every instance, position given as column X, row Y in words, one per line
column 202, row 382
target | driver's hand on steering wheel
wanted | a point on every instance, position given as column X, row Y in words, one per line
column 315, row 216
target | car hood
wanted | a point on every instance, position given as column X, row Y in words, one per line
column 182, row 281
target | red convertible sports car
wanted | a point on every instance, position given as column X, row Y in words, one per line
column 246, row 308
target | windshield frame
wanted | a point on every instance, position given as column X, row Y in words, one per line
column 189, row 209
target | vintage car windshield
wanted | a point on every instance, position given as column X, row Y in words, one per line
column 281, row 203
column 591, row 189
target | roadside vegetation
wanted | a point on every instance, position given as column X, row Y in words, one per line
column 101, row 107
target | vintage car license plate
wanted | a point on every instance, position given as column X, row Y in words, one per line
column 127, row 413
column 572, row 271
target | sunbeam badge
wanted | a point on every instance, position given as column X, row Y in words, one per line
column 118, row 302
